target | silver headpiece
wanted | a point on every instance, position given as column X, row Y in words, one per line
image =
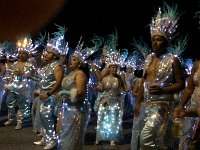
column 165, row 24
column 57, row 44
column 26, row 44
column 84, row 53
column 113, row 55
column 114, row 58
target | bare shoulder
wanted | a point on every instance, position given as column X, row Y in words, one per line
column 59, row 67
column 80, row 74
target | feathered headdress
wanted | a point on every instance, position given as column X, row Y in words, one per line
column 114, row 58
column 83, row 54
column 132, row 60
column 57, row 44
column 124, row 55
column 110, row 49
column 9, row 48
column 25, row 44
column 141, row 50
column 179, row 47
column 165, row 24
column 188, row 65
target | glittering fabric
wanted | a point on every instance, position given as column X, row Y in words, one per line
column 18, row 95
column 189, row 122
column 74, row 125
column 48, row 108
column 129, row 100
column 109, row 123
column 74, row 121
column 152, row 128
column 3, row 81
column 35, row 111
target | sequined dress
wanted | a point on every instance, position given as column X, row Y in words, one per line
column 75, row 120
column 152, row 128
column 109, row 123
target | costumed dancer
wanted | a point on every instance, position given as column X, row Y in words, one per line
column 50, row 86
column 75, row 114
column 19, row 85
column 110, row 112
column 163, row 76
column 8, row 58
column 187, row 112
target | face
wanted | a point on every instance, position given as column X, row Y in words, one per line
column 130, row 70
column 74, row 63
column 48, row 56
column 113, row 69
column 23, row 55
column 159, row 44
column 63, row 59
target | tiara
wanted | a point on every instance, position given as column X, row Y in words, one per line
column 165, row 24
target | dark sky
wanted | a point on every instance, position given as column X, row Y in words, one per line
column 130, row 17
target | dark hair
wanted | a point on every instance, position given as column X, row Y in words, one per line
column 3, row 59
column 138, row 73
column 86, row 70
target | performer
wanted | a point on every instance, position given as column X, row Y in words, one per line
column 163, row 76
column 191, row 95
column 9, row 57
column 74, row 117
column 110, row 113
column 50, row 85
column 19, row 87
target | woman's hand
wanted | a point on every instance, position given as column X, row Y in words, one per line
column 155, row 90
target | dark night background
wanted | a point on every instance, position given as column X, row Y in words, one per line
column 130, row 17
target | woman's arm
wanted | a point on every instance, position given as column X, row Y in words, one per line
column 136, row 87
column 178, row 112
column 81, row 84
